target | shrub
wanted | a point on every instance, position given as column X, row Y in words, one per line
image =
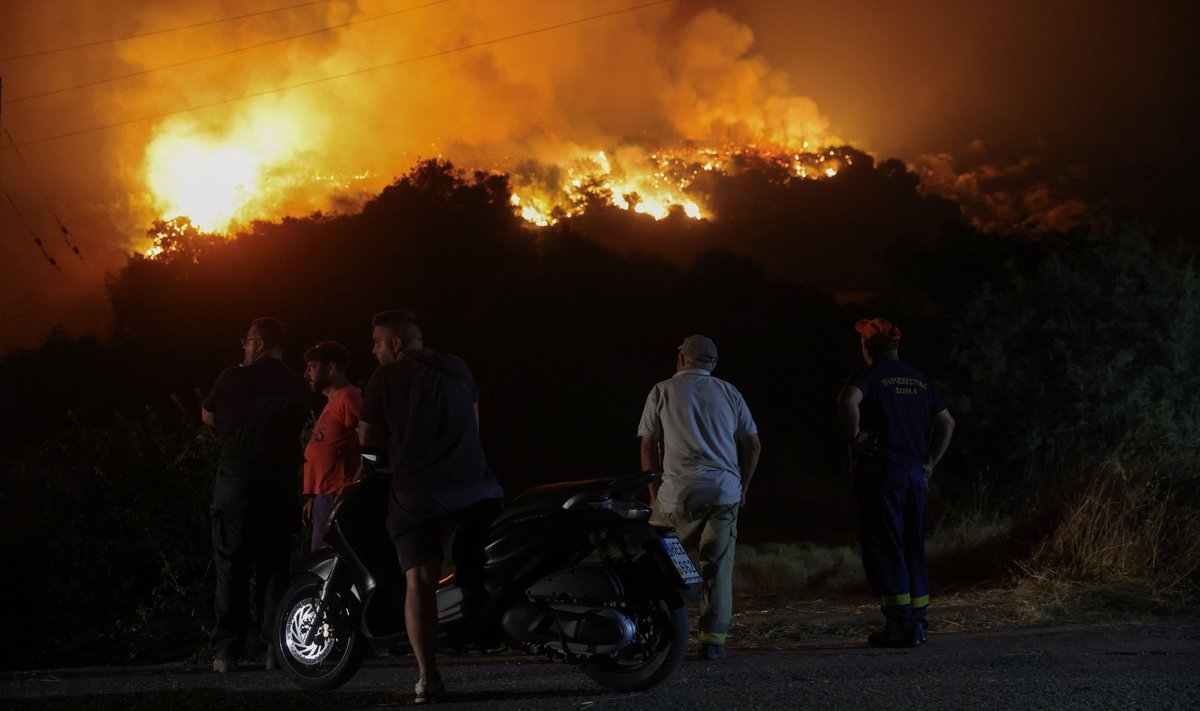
column 114, row 527
column 1094, row 347
column 1131, row 522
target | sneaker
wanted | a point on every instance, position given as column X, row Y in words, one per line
column 712, row 652
column 221, row 666
column 429, row 691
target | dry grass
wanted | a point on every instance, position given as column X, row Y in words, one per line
column 1055, row 601
column 1124, row 549
column 797, row 566
column 967, row 532
column 1127, row 528
column 783, row 567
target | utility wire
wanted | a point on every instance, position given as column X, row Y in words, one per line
column 65, row 233
column 225, row 53
column 163, row 31
column 410, row 60
column 37, row 240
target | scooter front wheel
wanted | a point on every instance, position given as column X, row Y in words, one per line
column 317, row 641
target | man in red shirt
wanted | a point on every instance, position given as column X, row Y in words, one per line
column 332, row 456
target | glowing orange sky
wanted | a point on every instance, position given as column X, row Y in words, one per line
column 1096, row 88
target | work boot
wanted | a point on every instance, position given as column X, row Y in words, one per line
column 711, row 652
column 429, row 690
column 895, row 639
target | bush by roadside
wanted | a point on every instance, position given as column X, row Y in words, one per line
column 1125, row 524
column 112, row 524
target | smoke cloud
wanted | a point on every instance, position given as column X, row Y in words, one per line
column 1025, row 194
column 630, row 82
column 186, row 109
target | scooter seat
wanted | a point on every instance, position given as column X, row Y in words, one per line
column 547, row 499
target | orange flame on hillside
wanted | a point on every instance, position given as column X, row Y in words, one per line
column 221, row 185
column 656, row 184
column 536, row 109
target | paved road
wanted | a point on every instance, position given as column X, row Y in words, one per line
column 1146, row 666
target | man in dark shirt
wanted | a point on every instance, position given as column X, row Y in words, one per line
column 898, row 429
column 425, row 406
column 258, row 409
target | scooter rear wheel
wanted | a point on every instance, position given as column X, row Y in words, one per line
column 662, row 641
column 331, row 656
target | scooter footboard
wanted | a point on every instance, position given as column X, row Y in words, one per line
column 574, row 611
column 450, row 603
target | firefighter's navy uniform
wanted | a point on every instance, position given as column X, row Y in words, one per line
column 897, row 407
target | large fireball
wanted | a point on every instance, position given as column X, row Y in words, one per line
column 201, row 179
column 224, row 175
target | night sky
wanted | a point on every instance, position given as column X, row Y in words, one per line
column 1039, row 114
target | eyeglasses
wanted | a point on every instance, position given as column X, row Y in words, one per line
column 247, row 339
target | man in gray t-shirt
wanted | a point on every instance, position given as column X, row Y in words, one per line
column 697, row 430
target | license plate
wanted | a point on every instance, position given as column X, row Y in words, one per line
column 679, row 558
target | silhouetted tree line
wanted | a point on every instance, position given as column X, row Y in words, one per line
column 564, row 335
column 1051, row 354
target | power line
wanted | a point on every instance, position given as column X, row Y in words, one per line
column 65, row 233
column 37, row 240
column 225, row 53
column 410, row 60
column 163, row 31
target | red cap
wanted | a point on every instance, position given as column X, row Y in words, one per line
column 878, row 331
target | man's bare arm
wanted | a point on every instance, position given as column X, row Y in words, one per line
column 749, row 450
column 652, row 462
column 939, row 440
column 651, row 454
column 371, row 435
column 848, row 413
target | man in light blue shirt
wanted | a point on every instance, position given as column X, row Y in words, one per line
column 697, row 430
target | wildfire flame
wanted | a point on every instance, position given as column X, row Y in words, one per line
column 656, row 184
column 291, row 153
column 255, row 168
column 203, row 179
column 219, row 183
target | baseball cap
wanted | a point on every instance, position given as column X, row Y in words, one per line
column 699, row 349
column 878, row 331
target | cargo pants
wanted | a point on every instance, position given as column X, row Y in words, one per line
column 891, row 508
column 713, row 529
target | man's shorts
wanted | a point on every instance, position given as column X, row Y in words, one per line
column 421, row 543
column 425, row 541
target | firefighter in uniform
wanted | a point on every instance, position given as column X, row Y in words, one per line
column 898, row 428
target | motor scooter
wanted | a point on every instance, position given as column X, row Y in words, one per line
column 572, row 570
